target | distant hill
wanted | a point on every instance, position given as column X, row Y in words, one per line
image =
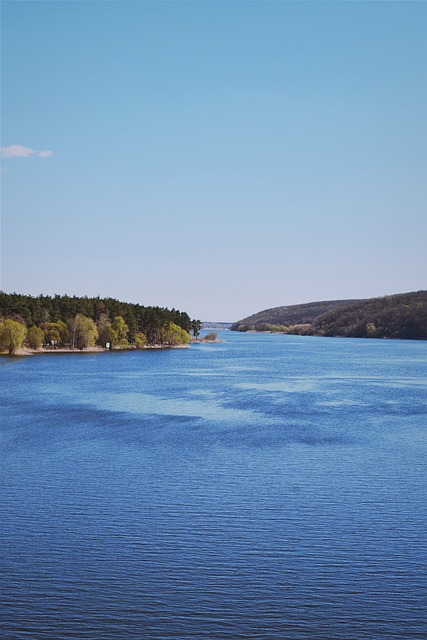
column 290, row 315
column 402, row 315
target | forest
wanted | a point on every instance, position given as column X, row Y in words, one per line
column 290, row 315
column 401, row 316
column 62, row 321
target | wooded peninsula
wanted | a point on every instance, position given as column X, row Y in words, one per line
column 70, row 323
column 403, row 315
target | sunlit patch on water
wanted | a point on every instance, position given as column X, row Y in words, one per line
column 142, row 403
column 344, row 402
column 402, row 383
column 286, row 386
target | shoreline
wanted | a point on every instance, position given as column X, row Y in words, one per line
column 26, row 351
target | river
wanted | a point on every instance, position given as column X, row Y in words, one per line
column 266, row 487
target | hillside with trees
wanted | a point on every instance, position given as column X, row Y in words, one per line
column 298, row 314
column 79, row 323
column 401, row 316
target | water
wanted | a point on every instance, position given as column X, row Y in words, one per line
column 267, row 487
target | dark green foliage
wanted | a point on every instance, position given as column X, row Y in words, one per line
column 291, row 315
column 399, row 316
column 43, row 309
column 196, row 325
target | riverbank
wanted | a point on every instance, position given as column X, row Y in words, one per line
column 26, row 351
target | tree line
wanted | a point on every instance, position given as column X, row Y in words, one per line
column 81, row 322
column 401, row 316
column 290, row 315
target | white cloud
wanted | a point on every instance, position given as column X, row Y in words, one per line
column 18, row 151
column 45, row 154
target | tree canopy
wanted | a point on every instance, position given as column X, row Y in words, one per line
column 12, row 335
column 402, row 315
column 80, row 322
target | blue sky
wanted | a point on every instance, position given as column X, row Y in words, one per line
column 216, row 157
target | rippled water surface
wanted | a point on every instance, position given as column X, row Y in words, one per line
column 267, row 487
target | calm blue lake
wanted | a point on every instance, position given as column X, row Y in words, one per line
column 268, row 487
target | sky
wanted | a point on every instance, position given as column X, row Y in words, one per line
column 215, row 157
